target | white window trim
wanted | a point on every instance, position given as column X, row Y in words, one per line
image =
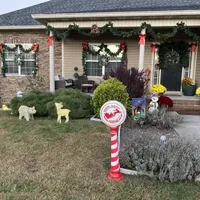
column 19, row 67
column 96, row 61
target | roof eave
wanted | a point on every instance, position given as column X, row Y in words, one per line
column 181, row 14
column 24, row 27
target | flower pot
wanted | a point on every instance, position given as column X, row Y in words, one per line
column 189, row 90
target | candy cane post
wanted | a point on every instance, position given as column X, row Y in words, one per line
column 113, row 114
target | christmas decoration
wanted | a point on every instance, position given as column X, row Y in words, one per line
column 138, row 108
column 142, row 39
column 35, row 47
column 85, row 46
column 123, row 45
column 193, row 47
column 50, row 40
column 95, row 30
column 172, row 52
column 19, row 58
column 122, row 48
column 153, row 48
column 156, row 36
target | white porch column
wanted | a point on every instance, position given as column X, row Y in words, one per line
column 142, row 49
column 193, row 60
column 51, row 62
column 153, row 50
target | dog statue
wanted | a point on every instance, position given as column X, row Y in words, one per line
column 62, row 112
column 26, row 112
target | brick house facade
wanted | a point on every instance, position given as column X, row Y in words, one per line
column 10, row 85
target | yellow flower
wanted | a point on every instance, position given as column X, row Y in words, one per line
column 188, row 81
column 198, row 91
column 158, row 88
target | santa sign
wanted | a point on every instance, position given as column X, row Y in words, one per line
column 113, row 114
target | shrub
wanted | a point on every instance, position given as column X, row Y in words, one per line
column 165, row 101
column 76, row 101
column 34, row 98
column 175, row 159
column 133, row 79
column 111, row 89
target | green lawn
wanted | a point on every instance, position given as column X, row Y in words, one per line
column 43, row 160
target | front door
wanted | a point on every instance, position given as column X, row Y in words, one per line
column 173, row 56
column 172, row 72
column 171, row 77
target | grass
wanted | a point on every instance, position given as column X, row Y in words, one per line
column 44, row 160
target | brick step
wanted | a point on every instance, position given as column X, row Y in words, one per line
column 184, row 106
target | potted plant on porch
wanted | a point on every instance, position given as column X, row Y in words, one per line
column 188, row 87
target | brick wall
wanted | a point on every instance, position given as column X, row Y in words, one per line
column 11, row 84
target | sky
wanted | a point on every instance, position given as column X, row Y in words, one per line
column 12, row 5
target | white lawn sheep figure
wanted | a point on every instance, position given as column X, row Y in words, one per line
column 26, row 112
column 62, row 112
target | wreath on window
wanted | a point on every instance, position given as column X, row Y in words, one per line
column 19, row 59
column 104, row 60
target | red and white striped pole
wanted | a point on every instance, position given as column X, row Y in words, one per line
column 114, row 173
column 113, row 114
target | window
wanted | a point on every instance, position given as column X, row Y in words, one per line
column 92, row 62
column 18, row 62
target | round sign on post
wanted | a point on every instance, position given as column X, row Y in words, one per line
column 113, row 114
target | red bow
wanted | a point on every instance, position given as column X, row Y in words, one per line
column 85, row 46
column 193, row 47
column 50, row 40
column 142, row 38
column 153, row 48
column 1, row 47
column 123, row 45
column 35, row 47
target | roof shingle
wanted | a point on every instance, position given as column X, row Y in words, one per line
column 23, row 16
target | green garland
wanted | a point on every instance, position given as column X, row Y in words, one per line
column 182, row 48
column 4, row 48
column 124, row 33
column 88, row 49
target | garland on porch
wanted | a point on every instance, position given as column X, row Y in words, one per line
column 98, row 31
column 173, row 53
column 19, row 58
column 122, row 48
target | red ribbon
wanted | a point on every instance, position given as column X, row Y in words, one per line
column 142, row 39
column 193, row 47
column 35, row 47
column 153, row 48
column 50, row 40
column 123, row 45
column 1, row 47
column 85, row 46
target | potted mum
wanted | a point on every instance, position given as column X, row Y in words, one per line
column 158, row 88
column 188, row 87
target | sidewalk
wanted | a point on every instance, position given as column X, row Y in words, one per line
column 189, row 127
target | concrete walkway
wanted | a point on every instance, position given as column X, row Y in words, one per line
column 189, row 128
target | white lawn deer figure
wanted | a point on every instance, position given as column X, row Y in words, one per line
column 62, row 112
